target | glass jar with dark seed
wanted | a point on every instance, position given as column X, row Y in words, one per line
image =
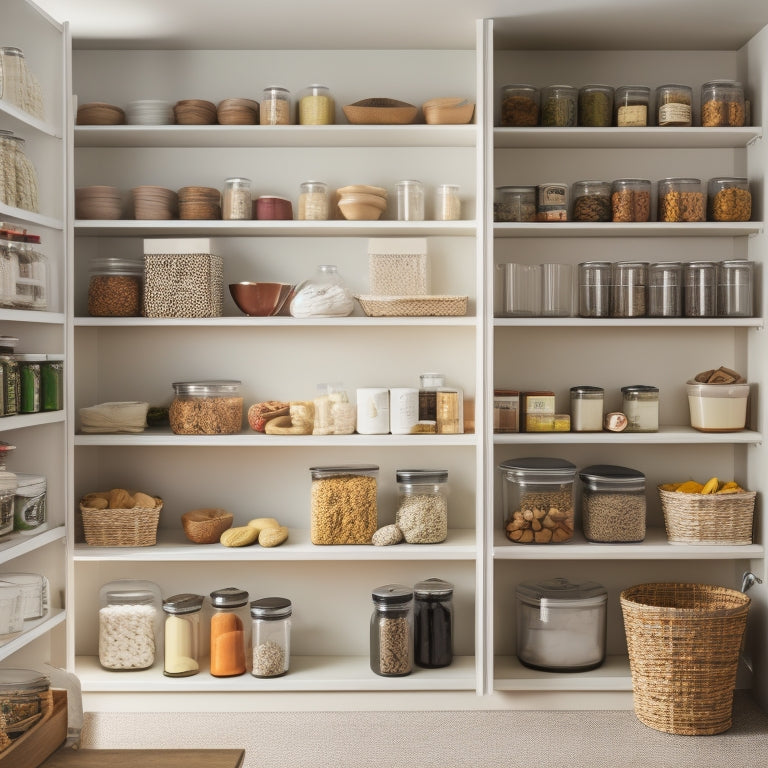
column 519, row 106
column 629, row 284
column 559, row 106
column 433, row 623
column 591, row 201
column 595, row 106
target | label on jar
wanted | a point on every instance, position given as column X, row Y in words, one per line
column 552, row 202
column 632, row 116
column 675, row 114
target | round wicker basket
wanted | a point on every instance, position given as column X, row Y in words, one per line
column 205, row 526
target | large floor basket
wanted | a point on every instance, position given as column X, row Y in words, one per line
column 684, row 642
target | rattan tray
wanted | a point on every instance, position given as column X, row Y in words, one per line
column 136, row 527
column 413, row 306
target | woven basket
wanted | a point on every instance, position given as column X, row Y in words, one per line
column 695, row 518
column 413, row 306
column 684, row 642
column 136, row 527
column 205, row 526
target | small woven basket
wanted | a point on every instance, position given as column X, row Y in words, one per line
column 205, row 526
column 413, row 306
column 684, row 642
column 136, row 527
column 695, row 518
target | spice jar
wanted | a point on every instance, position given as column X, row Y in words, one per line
column 324, row 295
column 271, row 631
column 30, row 504
column 587, row 409
column 229, row 637
column 115, row 287
column 313, row 201
column 630, row 106
column 130, row 624
column 561, row 625
column 629, row 283
column 673, row 105
column 665, row 289
column 422, row 509
column 440, row 403
column 24, row 693
column 447, row 203
column 514, row 204
column 552, row 202
column 699, row 293
column 392, row 630
column 681, row 200
column 519, row 106
column 410, row 200
column 729, row 199
column 722, row 104
column 591, row 201
column 559, row 106
column 594, row 289
column 275, row 106
column 612, row 503
column 595, row 106
column 212, row 407
column 236, row 200
column 182, row 635
column 316, row 106
column 539, row 483
column 640, row 404
column 631, row 200
column 735, row 280
column 11, row 384
column 433, row 623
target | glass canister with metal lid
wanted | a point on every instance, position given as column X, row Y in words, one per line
column 422, row 510
column 213, row 407
column 391, row 636
column 230, row 632
column 182, row 635
column 433, row 623
column 640, row 404
column 271, row 632
column 612, row 503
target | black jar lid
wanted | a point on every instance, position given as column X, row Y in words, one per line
column 183, row 603
column 271, row 608
column 560, row 593
column 433, row 587
column 392, row 594
column 421, row 475
column 229, row 597
column 612, row 472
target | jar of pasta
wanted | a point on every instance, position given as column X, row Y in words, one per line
column 722, row 104
column 729, row 199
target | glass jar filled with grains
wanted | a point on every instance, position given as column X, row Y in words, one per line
column 519, row 106
column 729, row 199
column 591, row 201
column 735, row 287
column 612, row 503
column 673, row 105
column 594, row 289
column 631, row 200
column 433, row 623
column 640, row 404
column 595, row 106
column 665, row 289
column 514, row 204
column 271, row 633
column 236, row 199
column 391, row 640
column 7, row 168
column 631, row 106
column 213, row 407
column 316, row 106
column 115, row 287
column 699, row 294
column 27, row 187
column 629, row 285
column 314, row 204
column 722, row 104
column 275, row 106
column 422, row 509
column 681, row 199
column 559, row 106
column 24, row 694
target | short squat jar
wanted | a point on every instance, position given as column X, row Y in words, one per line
column 115, row 287
column 514, row 204
column 665, row 289
column 629, row 289
column 314, row 201
column 236, row 199
column 729, row 199
column 631, row 200
column 316, row 105
column 735, row 288
column 722, row 104
column 595, row 106
column 519, row 106
column 681, row 199
column 391, row 636
column 182, row 634
column 433, row 623
column 275, row 106
column 271, row 633
column 422, row 508
column 640, row 404
column 673, row 105
column 559, row 106
column 612, row 504
column 213, row 407
column 591, row 201
column 631, row 106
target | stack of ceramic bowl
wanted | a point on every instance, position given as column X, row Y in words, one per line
column 154, row 203
column 98, row 203
column 99, row 113
column 361, row 202
column 149, row 112
column 195, row 112
column 238, row 112
column 199, row 203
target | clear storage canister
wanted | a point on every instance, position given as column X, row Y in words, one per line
column 729, row 199
column 640, row 404
column 673, row 105
column 612, row 503
column 52, row 383
column 7, row 168
column 514, row 204
column 441, row 403
column 422, row 508
column 587, row 408
column 561, row 625
column 735, row 288
column 11, row 617
column 559, row 106
column 595, row 289
column 24, row 694
column 182, row 635
column 236, row 199
column 519, row 106
column 343, row 504
column 591, row 201
column 631, row 106
column 538, row 500
column 230, row 631
column 115, row 287
column 629, row 289
column 212, row 407
column 699, row 291
column 13, row 76
column 35, row 589
column 30, row 504
column 130, row 624
column 433, row 623
column 391, row 641
column 722, row 104
column 631, row 200
column 552, row 202
column 314, row 202
column 271, row 633
column 316, row 106
column 665, row 289
column 8, row 486
column 681, row 200
column 410, row 200
column 447, row 203
column 595, row 106
column 275, row 106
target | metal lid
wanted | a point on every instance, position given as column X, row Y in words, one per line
column 392, row 594
column 23, row 680
column 271, row 608
column 560, row 592
column 207, row 388
column 421, row 475
column 433, row 588
column 539, row 465
column 639, row 388
column 343, row 469
column 183, row 603
column 612, row 472
column 587, row 388
column 229, row 597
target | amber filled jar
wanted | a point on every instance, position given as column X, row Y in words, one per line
column 681, row 200
column 519, row 106
column 630, row 106
column 631, row 200
column 559, row 106
column 230, row 632
column 729, row 199
column 115, row 287
column 673, row 105
column 595, row 106
column 206, row 407
column 722, row 104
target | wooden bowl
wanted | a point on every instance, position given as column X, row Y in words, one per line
column 379, row 111
column 448, row 111
column 259, row 299
column 99, row 113
column 205, row 526
column 362, row 207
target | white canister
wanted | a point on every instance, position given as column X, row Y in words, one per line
column 403, row 410
column 373, row 411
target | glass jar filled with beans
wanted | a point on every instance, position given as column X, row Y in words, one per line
column 728, row 199
column 422, row 509
column 115, row 287
column 612, row 503
column 595, row 106
column 519, row 106
column 591, row 201
column 559, row 106
column 514, row 204
column 630, row 106
column 673, row 105
column 212, row 407
column 722, row 104
column 631, row 200
column 391, row 636
column 681, row 200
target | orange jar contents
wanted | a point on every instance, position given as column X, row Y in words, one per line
column 228, row 633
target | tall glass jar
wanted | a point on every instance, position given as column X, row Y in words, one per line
column 629, row 285
column 681, row 199
column 699, row 289
column 316, row 106
column 35, row 282
column 735, row 288
column 665, row 289
column 612, row 503
column 236, row 199
column 591, row 201
column 433, row 623
column 595, row 106
column 410, row 200
column 314, row 203
column 271, row 632
column 440, row 403
column 673, row 105
column 722, row 104
column 182, row 635
column 391, row 650
column 275, row 106
column 27, row 183
column 230, row 632
column 7, row 168
column 631, row 200
column 640, row 404
column 587, row 409
column 447, row 203
column 559, row 106
column 324, row 295
column 422, row 508
column 729, row 199
column 29, row 382
column 519, row 106
column 595, row 289
column 631, row 106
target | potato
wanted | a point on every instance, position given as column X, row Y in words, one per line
column 260, row 523
column 273, row 537
column 144, row 500
column 119, row 498
column 240, row 536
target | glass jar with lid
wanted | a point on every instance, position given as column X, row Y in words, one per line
column 275, row 106
column 665, row 289
column 13, row 76
column 722, row 104
column 559, row 106
column 30, row 391
column 433, row 623
column 546, row 485
column 594, row 288
column 324, row 295
column 271, row 632
column 699, row 289
column 34, row 593
column 391, row 637
column 591, row 201
column 314, row 202
column 33, row 282
column 182, row 635
column 441, row 403
column 519, row 106
column 629, row 286
column 27, row 184
column 595, row 106
column 316, row 106
column 673, row 105
column 513, row 203
column 631, row 106
column 612, row 503
column 410, row 200
column 24, row 693
column 12, row 260
column 115, row 287
column 735, row 288
column 729, row 199
column 236, row 199
column 30, row 504
column 447, row 202
column 640, row 404
column 7, row 168
column 213, row 407
column 8, row 485
column 230, row 631
column 681, row 199
column 130, row 624
column 587, row 408
column 422, row 508
column 631, row 200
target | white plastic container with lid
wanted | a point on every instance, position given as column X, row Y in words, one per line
column 11, row 618
column 718, row 407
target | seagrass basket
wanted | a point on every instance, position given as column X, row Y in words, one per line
column 684, row 642
column 135, row 527
column 695, row 518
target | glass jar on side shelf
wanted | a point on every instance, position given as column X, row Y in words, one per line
column 673, row 105
column 722, row 104
column 391, row 642
column 595, row 106
column 559, row 106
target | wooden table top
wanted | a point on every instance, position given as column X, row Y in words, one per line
column 145, row 758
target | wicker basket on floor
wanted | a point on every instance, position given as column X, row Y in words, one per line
column 684, row 642
column 136, row 527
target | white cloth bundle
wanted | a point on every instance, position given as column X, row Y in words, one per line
column 114, row 417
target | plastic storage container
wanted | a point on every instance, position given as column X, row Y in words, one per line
column 23, row 693
column 182, row 635
column 275, row 106
column 447, row 202
column 236, row 199
column 629, row 289
column 631, row 106
column 722, row 104
column 561, row 625
column 612, row 503
column 230, row 632
column 212, row 407
column 324, row 295
column 11, row 617
column 552, row 202
column 640, row 404
column 115, row 287
column 587, row 408
column 538, row 500
column 391, row 640
column 316, row 106
column 422, row 509
column 433, row 623
column 735, row 288
column 271, row 632
column 665, row 289
column 8, row 486
column 631, row 200
column 514, row 204
column 441, row 403
column 729, row 199
column 718, row 407
column 521, row 290
column 595, row 106
column 673, row 105
column 559, row 106
column 681, row 199
column 699, row 289
column 519, row 106
column 594, row 280
column 591, row 201
column 410, row 200
column 35, row 591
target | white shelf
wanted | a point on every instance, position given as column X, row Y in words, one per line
column 306, row 673
column 627, row 229
column 32, row 630
column 655, row 547
column 29, row 217
column 612, row 675
column 21, row 120
column 17, row 545
column 24, row 420
column 669, row 435
column 272, row 322
column 634, row 322
column 31, row 316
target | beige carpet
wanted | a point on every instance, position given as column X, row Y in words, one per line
column 495, row 739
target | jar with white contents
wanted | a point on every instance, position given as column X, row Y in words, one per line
column 182, row 635
column 271, row 619
column 325, row 295
column 640, row 404
column 422, row 511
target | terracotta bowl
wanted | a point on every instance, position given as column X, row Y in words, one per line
column 260, row 299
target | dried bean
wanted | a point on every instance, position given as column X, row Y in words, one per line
column 269, row 659
column 394, row 646
column 591, row 208
column 609, row 517
column 423, row 518
column 114, row 296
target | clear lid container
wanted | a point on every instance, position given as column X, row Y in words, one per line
column 210, row 388
column 275, row 106
column 559, row 106
column 34, row 593
column 595, row 106
column 433, row 589
column 722, row 104
column 11, row 616
column 631, row 106
column 729, row 199
column 29, row 680
column 343, row 470
column 324, row 295
column 514, row 203
column 519, row 106
column 562, row 593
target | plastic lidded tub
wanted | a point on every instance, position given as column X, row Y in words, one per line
column 718, row 407
column 612, row 503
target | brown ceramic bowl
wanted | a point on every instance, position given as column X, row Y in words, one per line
column 260, row 299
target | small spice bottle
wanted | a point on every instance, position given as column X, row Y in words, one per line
column 236, row 199
column 699, row 295
column 630, row 106
column 594, row 289
column 182, row 635
column 447, row 203
column 422, row 509
column 313, row 201
column 410, row 200
column 271, row 632
column 722, row 104
column 587, row 409
column 595, row 106
column 391, row 646
column 673, row 105
column 115, row 287
column 559, row 106
column 729, row 199
column 735, row 280
column 612, row 503
column 514, row 204
column 640, row 404
column 631, row 200
column 665, row 289
column 519, row 106
column 591, row 201
column 275, row 106
column 433, row 623
column 681, row 199
column 229, row 637
column 316, row 106
column 629, row 284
